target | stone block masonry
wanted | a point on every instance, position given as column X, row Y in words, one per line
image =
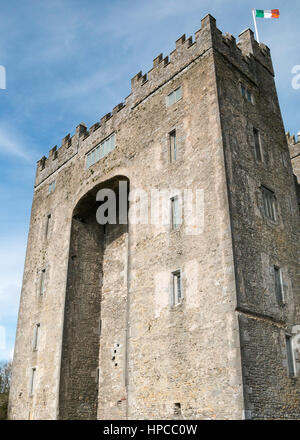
column 112, row 342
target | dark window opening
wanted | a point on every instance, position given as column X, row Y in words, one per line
column 278, row 284
column 269, row 203
column 173, row 146
column 176, row 287
column 257, row 145
column 290, row 355
column 177, row 409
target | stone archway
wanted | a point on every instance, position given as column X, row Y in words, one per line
column 79, row 377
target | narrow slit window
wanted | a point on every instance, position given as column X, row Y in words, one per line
column 51, row 187
column 36, row 337
column 43, row 284
column 175, row 220
column 176, row 287
column 32, row 381
column 283, row 159
column 173, row 146
column 269, row 203
column 278, row 284
column 290, row 355
column 47, row 225
column 257, row 145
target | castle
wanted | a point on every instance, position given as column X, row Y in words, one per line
column 131, row 320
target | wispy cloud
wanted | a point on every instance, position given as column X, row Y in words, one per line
column 12, row 254
column 13, row 143
column 69, row 61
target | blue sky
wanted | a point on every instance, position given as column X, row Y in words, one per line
column 71, row 61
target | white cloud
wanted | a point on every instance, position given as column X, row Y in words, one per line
column 85, row 85
column 13, row 143
column 12, row 255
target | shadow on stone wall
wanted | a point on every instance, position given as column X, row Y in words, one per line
column 78, row 397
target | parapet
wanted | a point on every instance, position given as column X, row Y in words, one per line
column 261, row 52
column 57, row 157
column 244, row 54
column 294, row 144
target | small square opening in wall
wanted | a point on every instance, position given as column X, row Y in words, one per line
column 177, row 409
column 176, row 287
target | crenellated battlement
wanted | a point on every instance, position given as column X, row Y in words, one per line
column 294, row 144
column 244, row 54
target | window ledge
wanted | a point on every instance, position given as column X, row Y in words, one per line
column 180, row 304
column 271, row 222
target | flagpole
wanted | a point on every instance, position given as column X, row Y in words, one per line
column 255, row 25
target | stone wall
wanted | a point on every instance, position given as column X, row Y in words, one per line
column 80, row 345
column 158, row 360
column 294, row 148
column 260, row 243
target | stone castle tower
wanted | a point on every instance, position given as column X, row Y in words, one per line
column 172, row 320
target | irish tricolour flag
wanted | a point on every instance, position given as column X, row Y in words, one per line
column 273, row 13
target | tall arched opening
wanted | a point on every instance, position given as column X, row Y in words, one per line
column 79, row 376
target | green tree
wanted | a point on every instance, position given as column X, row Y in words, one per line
column 5, row 377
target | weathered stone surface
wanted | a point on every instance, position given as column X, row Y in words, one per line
column 106, row 304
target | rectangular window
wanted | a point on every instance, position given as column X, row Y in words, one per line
column 32, row 381
column 47, row 225
column 173, row 146
column 42, row 286
column 283, row 158
column 278, row 284
column 173, row 97
column 175, row 220
column 176, row 287
column 269, row 203
column 51, row 187
column 290, row 355
column 257, row 145
column 100, row 151
column 36, row 337
column 246, row 93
